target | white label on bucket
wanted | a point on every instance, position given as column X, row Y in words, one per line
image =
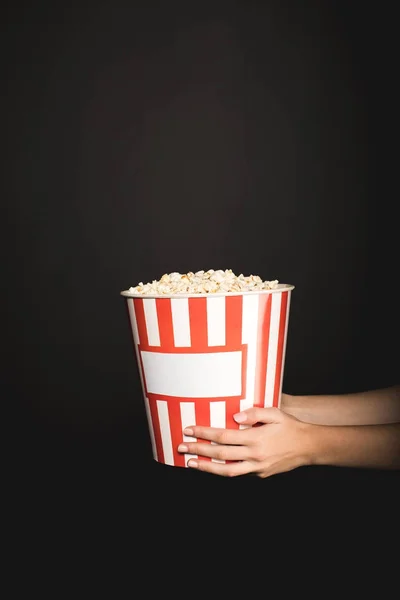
column 272, row 348
column 208, row 375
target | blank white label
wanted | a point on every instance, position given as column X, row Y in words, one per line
column 208, row 375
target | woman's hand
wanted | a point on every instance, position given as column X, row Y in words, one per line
column 278, row 442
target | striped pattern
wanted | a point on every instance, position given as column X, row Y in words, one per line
column 203, row 359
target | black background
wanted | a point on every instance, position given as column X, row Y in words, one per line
column 176, row 136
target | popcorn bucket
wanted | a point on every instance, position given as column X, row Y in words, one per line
column 204, row 357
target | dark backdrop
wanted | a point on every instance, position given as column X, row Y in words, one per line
column 176, row 136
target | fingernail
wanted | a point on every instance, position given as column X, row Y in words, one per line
column 182, row 448
column 193, row 464
column 239, row 417
column 188, row 431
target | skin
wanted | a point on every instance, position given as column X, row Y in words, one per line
column 350, row 430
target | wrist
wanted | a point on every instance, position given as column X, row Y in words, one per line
column 327, row 443
column 314, row 449
column 317, row 444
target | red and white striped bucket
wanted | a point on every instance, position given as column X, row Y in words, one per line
column 203, row 358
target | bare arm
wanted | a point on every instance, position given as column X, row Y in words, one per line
column 373, row 407
column 370, row 446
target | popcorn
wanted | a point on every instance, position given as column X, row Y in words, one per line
column 203, row 282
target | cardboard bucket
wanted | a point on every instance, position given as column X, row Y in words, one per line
column 203, row 358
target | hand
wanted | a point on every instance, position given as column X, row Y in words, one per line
column 278, row 443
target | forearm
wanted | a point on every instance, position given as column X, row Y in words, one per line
column 373, row 407
column 369, row 446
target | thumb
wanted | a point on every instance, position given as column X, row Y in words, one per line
column 254, row 415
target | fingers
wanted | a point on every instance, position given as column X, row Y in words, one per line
column 234, row 437
column 254, row 415
column 215, row 451
column 233, row 469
